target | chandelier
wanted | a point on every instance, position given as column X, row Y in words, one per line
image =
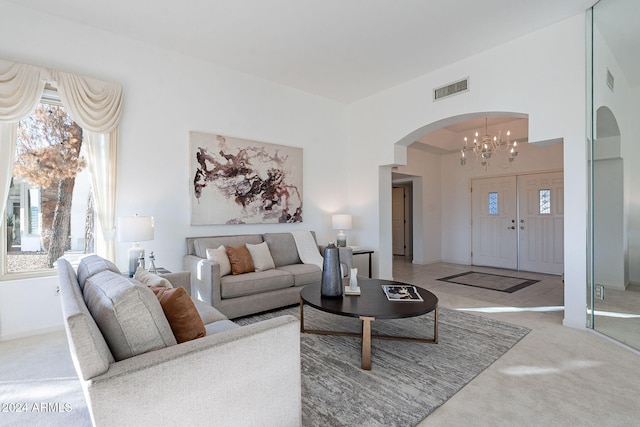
column 487, row 147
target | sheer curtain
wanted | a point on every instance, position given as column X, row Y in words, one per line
column 21, row 87
column 95, row 105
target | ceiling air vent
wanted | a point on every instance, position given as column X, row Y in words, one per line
column 451, row 89
column 610, row 80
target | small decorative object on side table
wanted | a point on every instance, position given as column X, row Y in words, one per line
column 152, row 264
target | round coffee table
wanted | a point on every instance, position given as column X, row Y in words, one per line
column 370, row 305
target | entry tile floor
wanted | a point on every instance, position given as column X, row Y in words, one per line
column 546, row 295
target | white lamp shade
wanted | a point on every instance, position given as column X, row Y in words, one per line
column 341, row 222
column 135, row 228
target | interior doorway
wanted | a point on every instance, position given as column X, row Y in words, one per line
column 517, row 222
column 401, row 219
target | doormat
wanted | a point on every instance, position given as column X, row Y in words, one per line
column 495, row 282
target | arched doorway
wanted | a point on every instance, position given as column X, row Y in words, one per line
column 442, row 204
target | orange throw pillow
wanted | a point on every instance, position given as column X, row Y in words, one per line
column 181, row 313
column 240, row 259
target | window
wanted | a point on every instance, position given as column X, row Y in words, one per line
column 49, row 207
column 493, row 203
column 545, row 202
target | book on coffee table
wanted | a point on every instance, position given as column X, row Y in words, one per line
column 401, row 293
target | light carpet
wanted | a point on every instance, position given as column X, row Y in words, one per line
column 407, row 381
column 495, row 282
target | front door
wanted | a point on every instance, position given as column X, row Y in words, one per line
column 541, row 222
column 518, row 222
column 494, row 237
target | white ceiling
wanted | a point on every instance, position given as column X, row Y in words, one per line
column 339, row 49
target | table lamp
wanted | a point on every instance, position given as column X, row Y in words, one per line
column 341, row 222
column 135, row 229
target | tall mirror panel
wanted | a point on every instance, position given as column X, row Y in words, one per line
column 614, row 104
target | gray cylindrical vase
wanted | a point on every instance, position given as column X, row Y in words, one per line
column 331, row 285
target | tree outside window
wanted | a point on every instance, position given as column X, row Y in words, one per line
column 49, row 208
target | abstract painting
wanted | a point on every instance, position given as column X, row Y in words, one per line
column 238, row 181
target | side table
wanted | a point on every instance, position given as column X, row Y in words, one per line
column 365, row 252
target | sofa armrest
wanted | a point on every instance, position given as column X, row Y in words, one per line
column 205, row 279
column 245, row 376
column 179, row 279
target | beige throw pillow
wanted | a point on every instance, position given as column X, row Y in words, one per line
column 220, row 256
column 150, row 279
column 261, row 256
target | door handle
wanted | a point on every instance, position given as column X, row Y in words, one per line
column 522, row 227
column 513, row 227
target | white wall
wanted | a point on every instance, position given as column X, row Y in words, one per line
column 165, row 96
column 541, row 74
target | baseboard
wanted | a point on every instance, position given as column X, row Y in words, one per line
column 428, row 262
column 9, row 337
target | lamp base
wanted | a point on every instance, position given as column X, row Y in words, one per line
column 134, row 253
column 341, row 240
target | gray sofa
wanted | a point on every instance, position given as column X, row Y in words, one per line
column 133, row 373
column 249, row 293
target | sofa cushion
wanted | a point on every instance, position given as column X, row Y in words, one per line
column 240, row 259
column 254, row 283
column 150, row 279
column 91, row 265
column 261, row 256
column 201, row 244
column 221, row 326
column 208, row 314
column 220, row 256
column 303, row 274
column 181, row 313
column 129, row 316
column 283, row 248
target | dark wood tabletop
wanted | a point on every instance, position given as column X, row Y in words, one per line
column 372, row 302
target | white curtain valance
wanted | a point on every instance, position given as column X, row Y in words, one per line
column 21, row 87
column 94, row 104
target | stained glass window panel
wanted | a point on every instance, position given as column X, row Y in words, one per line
column 493, row 203
column 545, row 201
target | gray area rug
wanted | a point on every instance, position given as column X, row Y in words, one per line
column 495, row 282
column 407, row 381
